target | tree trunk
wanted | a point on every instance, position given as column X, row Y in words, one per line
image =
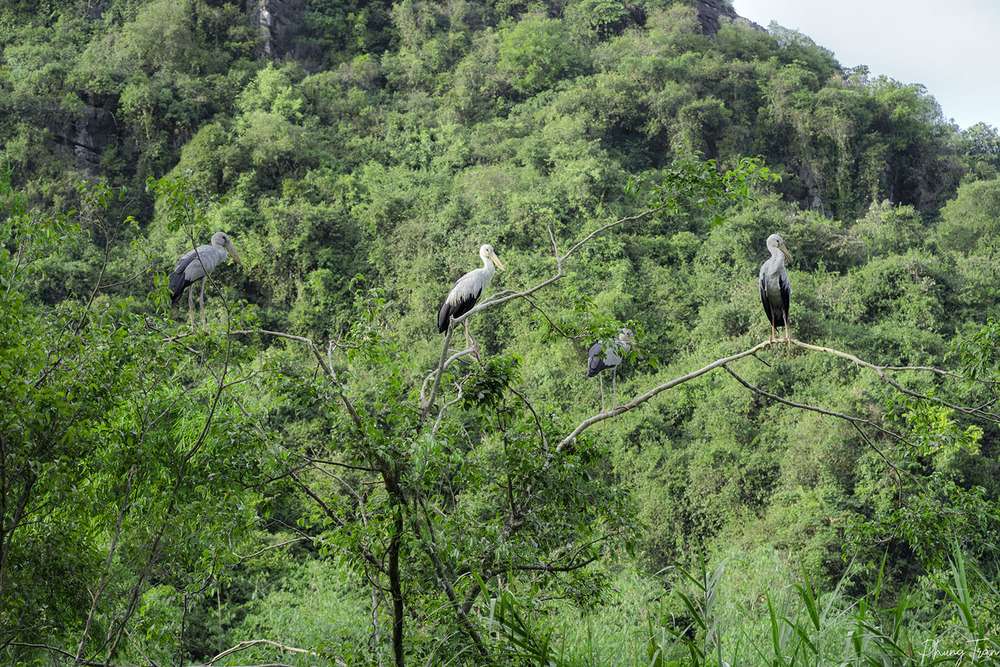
column 396, row 588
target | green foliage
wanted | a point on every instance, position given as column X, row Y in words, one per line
column 294, row 472
column 536, row 52
column 969, row 221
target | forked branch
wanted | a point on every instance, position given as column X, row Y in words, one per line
column 883, row 372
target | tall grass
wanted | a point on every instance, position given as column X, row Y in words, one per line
column 698, row 621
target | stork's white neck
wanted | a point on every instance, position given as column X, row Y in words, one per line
column 776, row 253
column 488, row 265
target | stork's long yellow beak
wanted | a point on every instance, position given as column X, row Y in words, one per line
column 232, row 251
column 496, row 260
column 788, row 255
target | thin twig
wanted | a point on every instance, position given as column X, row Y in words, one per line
column 812, row 408
column 538, row 422
column 55, row 649
column 256, row 642
column 348, row 404
column 269, row 548
column 881, row 372
column 854, row 421
column 444, row 408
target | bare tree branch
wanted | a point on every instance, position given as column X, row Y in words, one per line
column 444, row 408
column 106, row 573
column 546, row 567
column 883, row 375
column 430, row 547
column 339, row 464
column 881, row 371
column 631, row 218
column 813, row 408
column 642, row 398
column 538, row 422
column 443, row 364
column 269, row 548
column 355, row 417
column 267, row 642
column 54, row 649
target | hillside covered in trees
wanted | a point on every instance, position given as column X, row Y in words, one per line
column 316, row 476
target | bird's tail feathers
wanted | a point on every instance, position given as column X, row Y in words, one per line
column 177, row 285
column 444, row 316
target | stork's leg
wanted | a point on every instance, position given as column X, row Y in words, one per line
column 201, row 301
column 788, row 334
column 614, row 388
column 600, row 379
column 191, row 306
column 470, row 343
column 774, row 333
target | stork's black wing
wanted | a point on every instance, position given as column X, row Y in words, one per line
column 448, row 310
column 177, row 280
column 595, row 360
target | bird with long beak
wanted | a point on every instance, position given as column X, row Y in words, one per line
column 467, row 291
column 197, row 263
column 775, row 288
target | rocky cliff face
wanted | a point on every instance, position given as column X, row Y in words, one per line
column 87, row 136
column 711, row 14
column 278, row 22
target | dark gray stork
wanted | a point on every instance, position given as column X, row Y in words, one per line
column 775, row 288
column 599, row 359
column 467, row 290
column 194, row 265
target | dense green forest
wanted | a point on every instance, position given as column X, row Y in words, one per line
column 316, row 476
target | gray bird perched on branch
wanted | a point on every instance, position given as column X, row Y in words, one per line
column 194, row 265
column 775, row 288
column 599, row 359
column 467, row 290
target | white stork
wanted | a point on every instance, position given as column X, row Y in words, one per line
column 194, row 265
column 775, row 288
column 467, row 290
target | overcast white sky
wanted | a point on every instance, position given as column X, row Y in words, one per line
column 952, row 47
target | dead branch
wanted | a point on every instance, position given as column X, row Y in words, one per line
column 642, row 398
column 106, row 573
column 546, row 567
column 268, row 548
column 881, row 371
column 813, row 408
column 444, row 408
column 256, row 642
column 59, row 651
column 430, row 548
column 538, row 422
